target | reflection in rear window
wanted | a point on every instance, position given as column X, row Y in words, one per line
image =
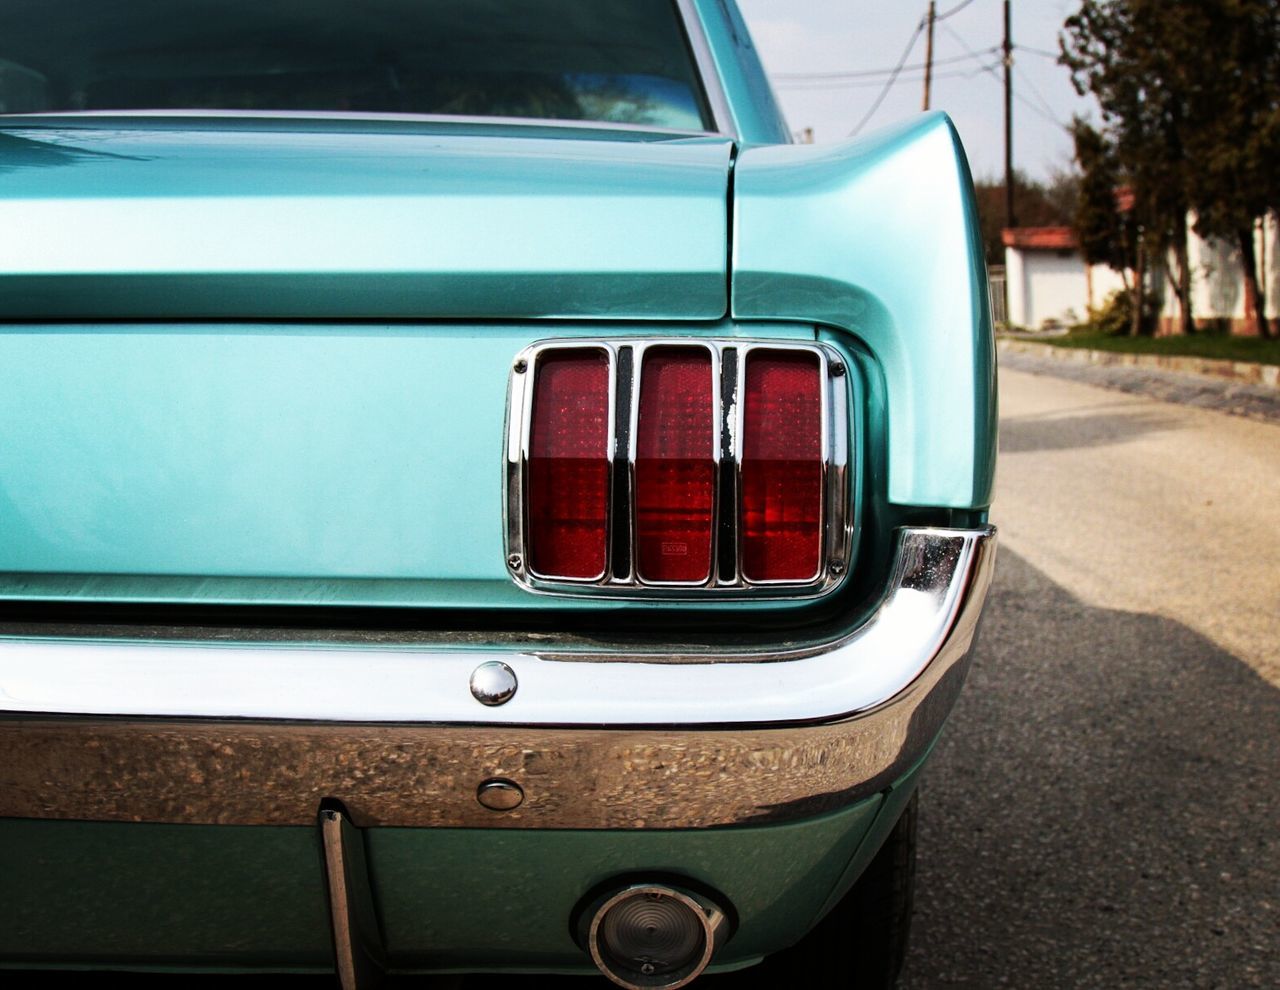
column 623, row 61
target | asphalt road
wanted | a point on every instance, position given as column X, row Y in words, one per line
column 1104, row 809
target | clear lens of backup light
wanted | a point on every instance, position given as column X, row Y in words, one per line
column 568, row 503
column 653, row 936
column 675, row 470
column 781, row 497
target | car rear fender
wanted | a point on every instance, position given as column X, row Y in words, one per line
column 879, row 238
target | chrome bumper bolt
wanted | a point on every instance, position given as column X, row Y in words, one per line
column 493, row 683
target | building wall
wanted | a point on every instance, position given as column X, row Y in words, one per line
column 1015, row 287
column 1217, row 281
column 1057, row 287
column 1103, row 283
column 1046, row 287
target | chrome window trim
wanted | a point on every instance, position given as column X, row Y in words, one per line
column 144, row 117
column 838, row 474
column 717, row 98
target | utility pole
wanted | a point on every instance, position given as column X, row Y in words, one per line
column 1009, row 218
column 928, row 54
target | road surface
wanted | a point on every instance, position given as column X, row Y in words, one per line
column 1104, row 810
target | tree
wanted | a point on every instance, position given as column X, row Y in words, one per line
column 1100, row 224
column 1234, row 137
column 1105, row 228
column 1129, row 55
column 1190, row 98
column 1036, row 205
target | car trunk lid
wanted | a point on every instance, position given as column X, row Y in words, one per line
column 133, row 217
column 267, row 362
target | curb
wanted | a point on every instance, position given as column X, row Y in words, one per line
column 1240, row 371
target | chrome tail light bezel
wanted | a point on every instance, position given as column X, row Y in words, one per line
column 621, row 579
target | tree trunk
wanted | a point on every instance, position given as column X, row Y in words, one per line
column 1139, row 290
column 1184, row 277
column 1255, row 291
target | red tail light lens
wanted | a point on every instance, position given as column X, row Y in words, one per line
column 781, row 499
column 675, row 469
column 568, row 504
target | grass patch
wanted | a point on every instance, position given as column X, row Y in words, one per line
column 1205, row 345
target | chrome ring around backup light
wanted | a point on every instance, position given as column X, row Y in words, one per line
column 711, row 918
column 839, row 475
column 939, row 577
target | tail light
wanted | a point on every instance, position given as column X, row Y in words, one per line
column 781, row 530
column 678, row 468
column 569, row 465
column 675, row 466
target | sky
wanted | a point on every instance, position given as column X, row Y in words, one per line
column 863, row 36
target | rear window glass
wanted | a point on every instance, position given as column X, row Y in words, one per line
column 621, row 61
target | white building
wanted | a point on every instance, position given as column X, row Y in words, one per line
column 1219, row 294
column 1049, row 284
column 1047, row 281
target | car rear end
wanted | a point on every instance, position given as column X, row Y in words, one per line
column 446, row 543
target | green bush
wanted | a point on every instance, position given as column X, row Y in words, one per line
column 1115, row 316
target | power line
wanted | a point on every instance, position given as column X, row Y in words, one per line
column 818, row 85
column 1048, row 110
column 1045, row 111
column 906, row 52
column 863, row 73
column 1039, row 51
column 954, row 10
column 965, row 45
column 1036, row 109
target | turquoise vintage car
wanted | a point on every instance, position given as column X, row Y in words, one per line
column 474, row 496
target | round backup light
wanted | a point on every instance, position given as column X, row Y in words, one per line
column 647, row 937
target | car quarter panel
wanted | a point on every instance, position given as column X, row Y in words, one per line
column 879, row 238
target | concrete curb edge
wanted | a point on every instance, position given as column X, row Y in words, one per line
column 1240, row 371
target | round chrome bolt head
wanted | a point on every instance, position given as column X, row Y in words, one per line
column 500, row 795
column 493, row 683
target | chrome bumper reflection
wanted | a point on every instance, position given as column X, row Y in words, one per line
column 608, row 741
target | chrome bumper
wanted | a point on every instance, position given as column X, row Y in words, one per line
column 594, row 739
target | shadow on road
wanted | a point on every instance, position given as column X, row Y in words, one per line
column 1101, row 812
column 1098, row 428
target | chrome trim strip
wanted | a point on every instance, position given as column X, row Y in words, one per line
column 117, row 117
column 706, row 63
column 936, row 571
column 898, row 677
column 839, row 480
